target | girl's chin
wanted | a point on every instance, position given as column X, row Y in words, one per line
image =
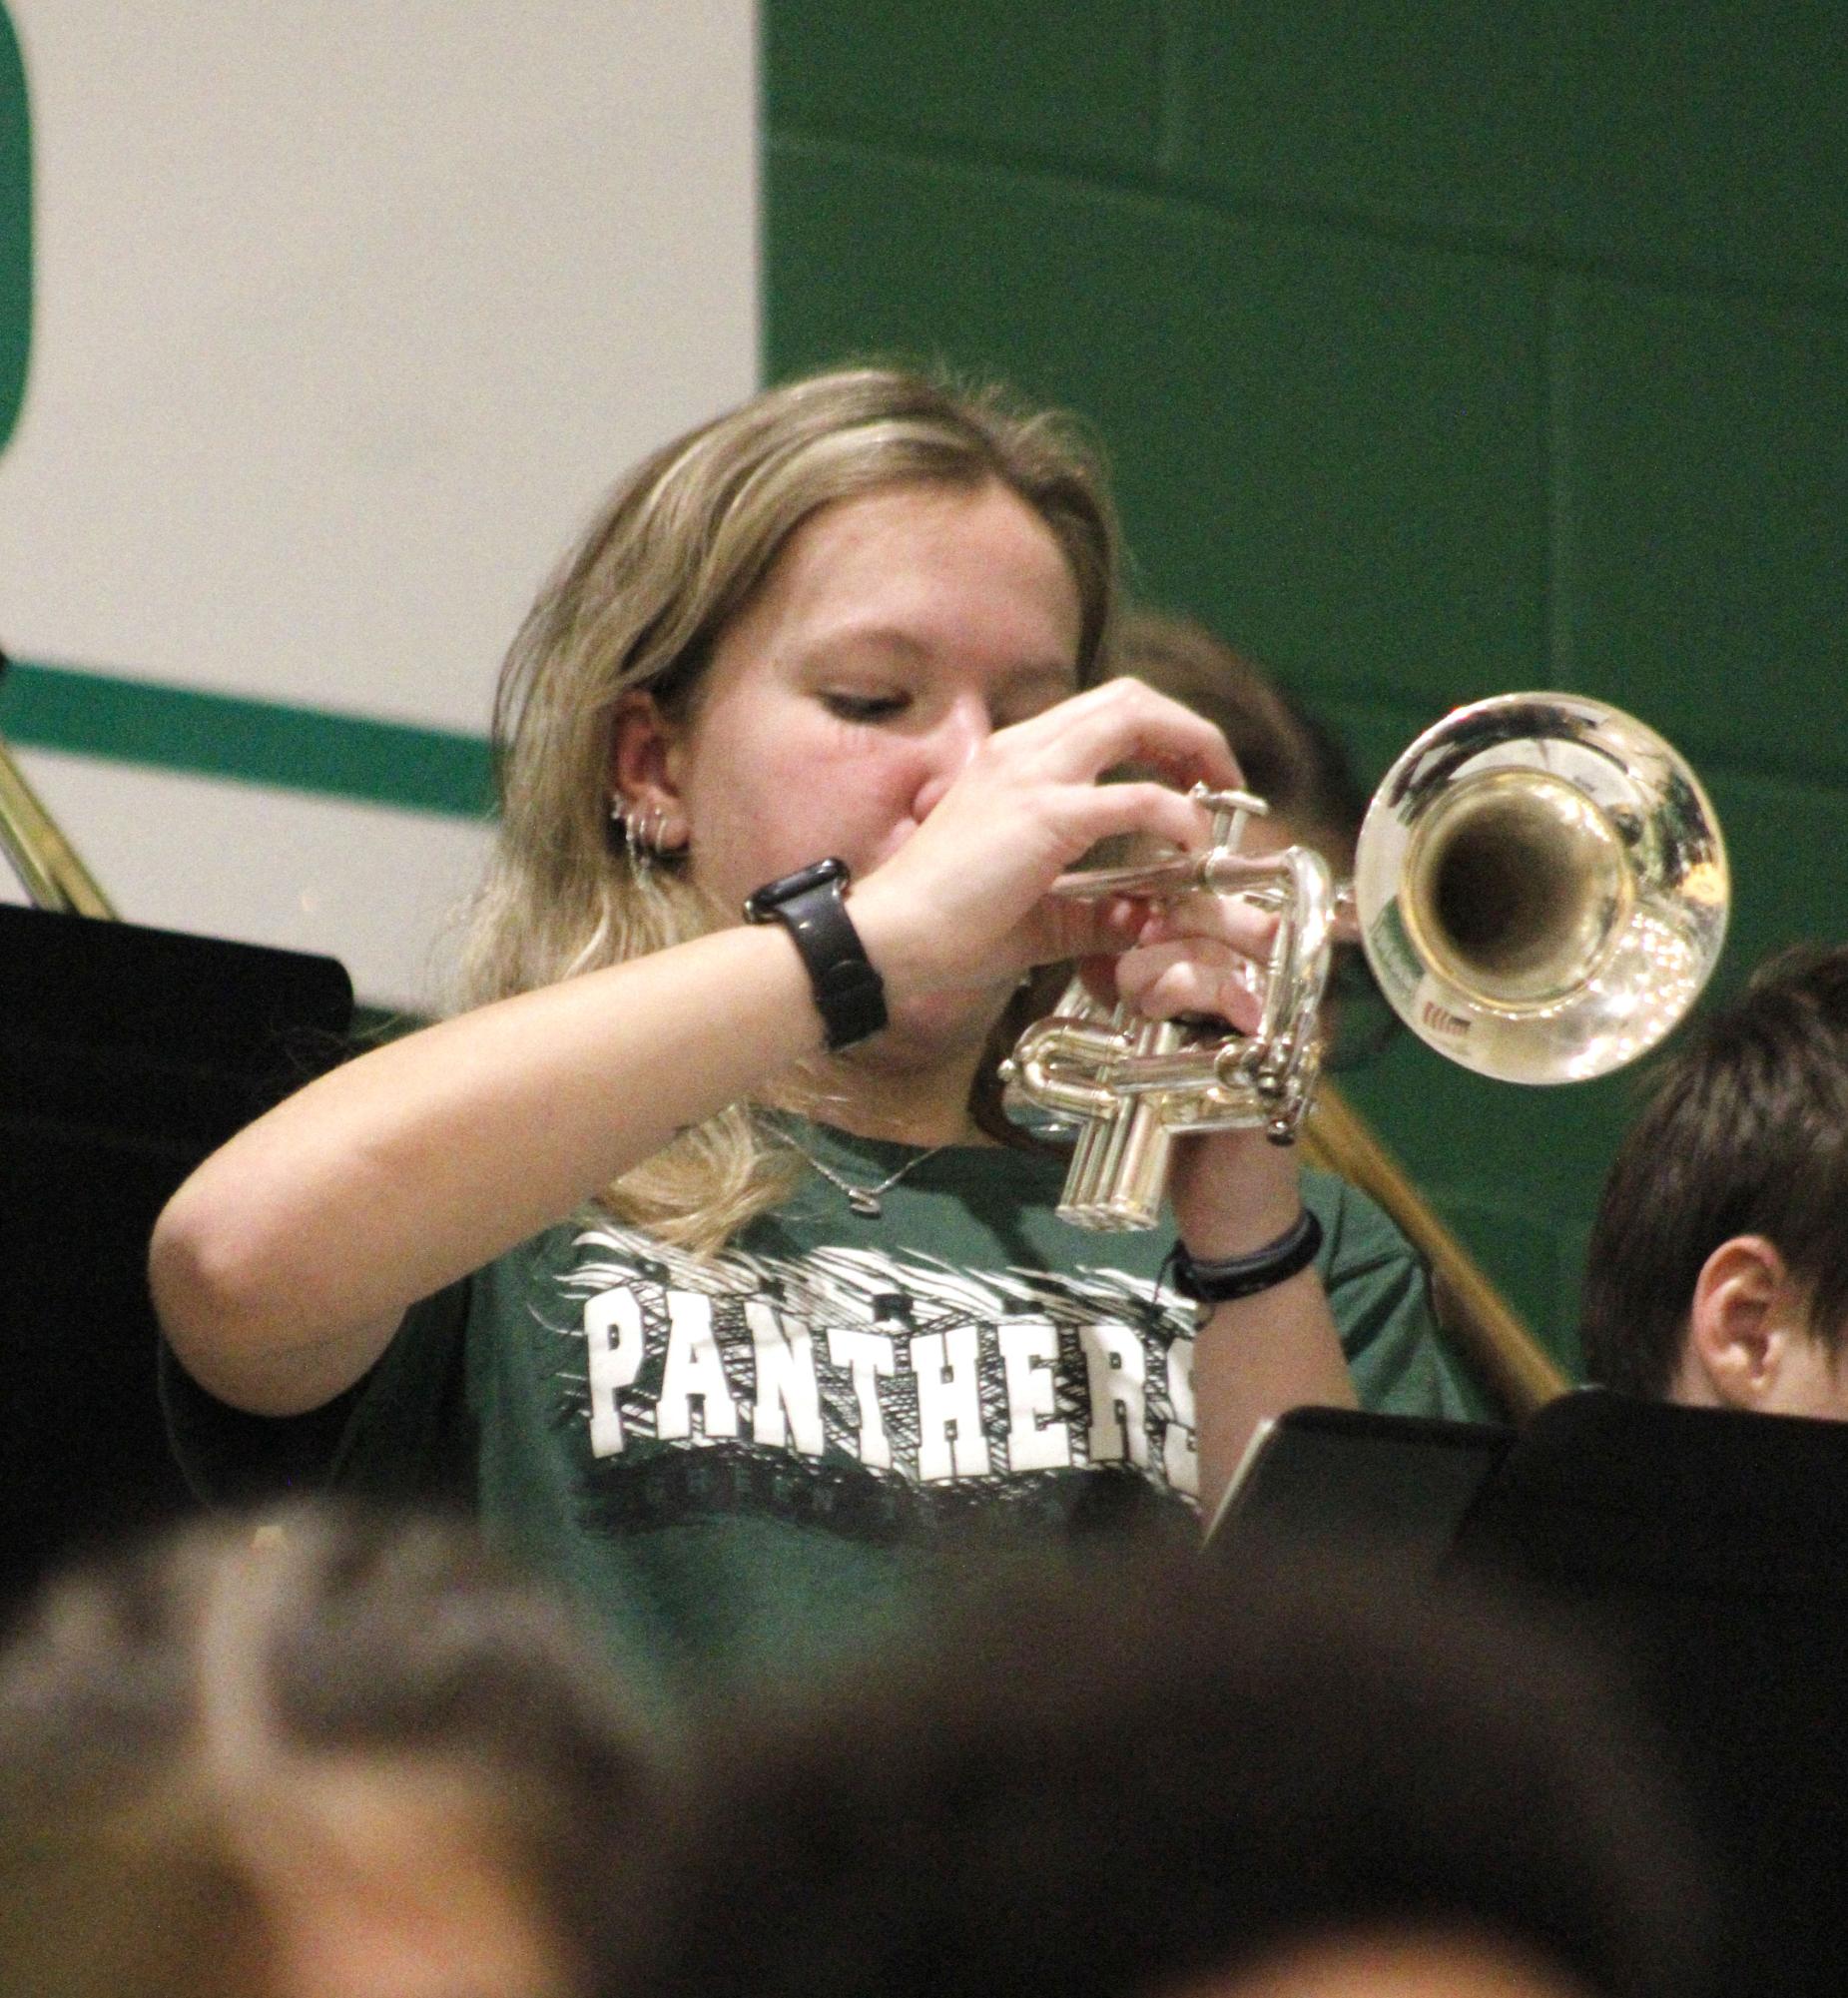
column 945, row 1027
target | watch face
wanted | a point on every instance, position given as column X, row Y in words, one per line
column 764, row 901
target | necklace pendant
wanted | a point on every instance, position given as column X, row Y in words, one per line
column 863, row 1203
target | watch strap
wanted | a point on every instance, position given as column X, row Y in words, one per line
column 810, row 905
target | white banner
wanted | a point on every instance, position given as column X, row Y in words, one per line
column 343, row 316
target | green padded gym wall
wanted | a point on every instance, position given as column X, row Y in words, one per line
column 1440, row 351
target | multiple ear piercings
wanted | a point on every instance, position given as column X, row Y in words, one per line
column 641, row 830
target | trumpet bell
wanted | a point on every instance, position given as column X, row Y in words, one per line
column 1541, row 888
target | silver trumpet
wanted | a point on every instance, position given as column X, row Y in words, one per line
column 1541, row 890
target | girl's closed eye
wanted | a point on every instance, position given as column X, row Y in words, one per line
column 850, row 706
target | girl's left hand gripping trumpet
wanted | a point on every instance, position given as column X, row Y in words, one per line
column 1135, row 1082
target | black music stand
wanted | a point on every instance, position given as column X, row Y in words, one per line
column 126, row 1055
column 1392, row 1489
column 1702, row 1554
column 1709, row 1551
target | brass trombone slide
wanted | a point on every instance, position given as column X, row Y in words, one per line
column 45, row 861
column 1518, row 1369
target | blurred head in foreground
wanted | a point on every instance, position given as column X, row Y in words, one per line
column 1156, row 1781
column 335, row 1756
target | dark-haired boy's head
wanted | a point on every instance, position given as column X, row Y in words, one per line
column 1717, row 1272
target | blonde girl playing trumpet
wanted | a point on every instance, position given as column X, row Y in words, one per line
column 690, row 1253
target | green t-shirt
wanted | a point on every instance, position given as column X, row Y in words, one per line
column 743, row 1464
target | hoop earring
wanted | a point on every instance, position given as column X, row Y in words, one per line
column 616, row 824
column 628, row 831
column 641, row 832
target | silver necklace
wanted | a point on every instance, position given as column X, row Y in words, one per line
column 863, row 1200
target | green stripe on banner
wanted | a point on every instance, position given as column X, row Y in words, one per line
column 253, row 742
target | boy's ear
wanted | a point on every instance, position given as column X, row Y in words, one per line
column 1744, row 1320
column 644, row 764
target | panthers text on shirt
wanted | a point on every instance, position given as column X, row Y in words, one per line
column 897, row 1360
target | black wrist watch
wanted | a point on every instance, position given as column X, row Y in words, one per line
column 849, row 995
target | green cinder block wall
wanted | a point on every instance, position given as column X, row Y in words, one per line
column 1440, row 351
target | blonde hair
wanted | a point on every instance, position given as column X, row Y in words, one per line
column 673, row 554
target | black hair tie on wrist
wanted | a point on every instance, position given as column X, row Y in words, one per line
column 1244, row 1276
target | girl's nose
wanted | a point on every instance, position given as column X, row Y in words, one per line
column 958, row 736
